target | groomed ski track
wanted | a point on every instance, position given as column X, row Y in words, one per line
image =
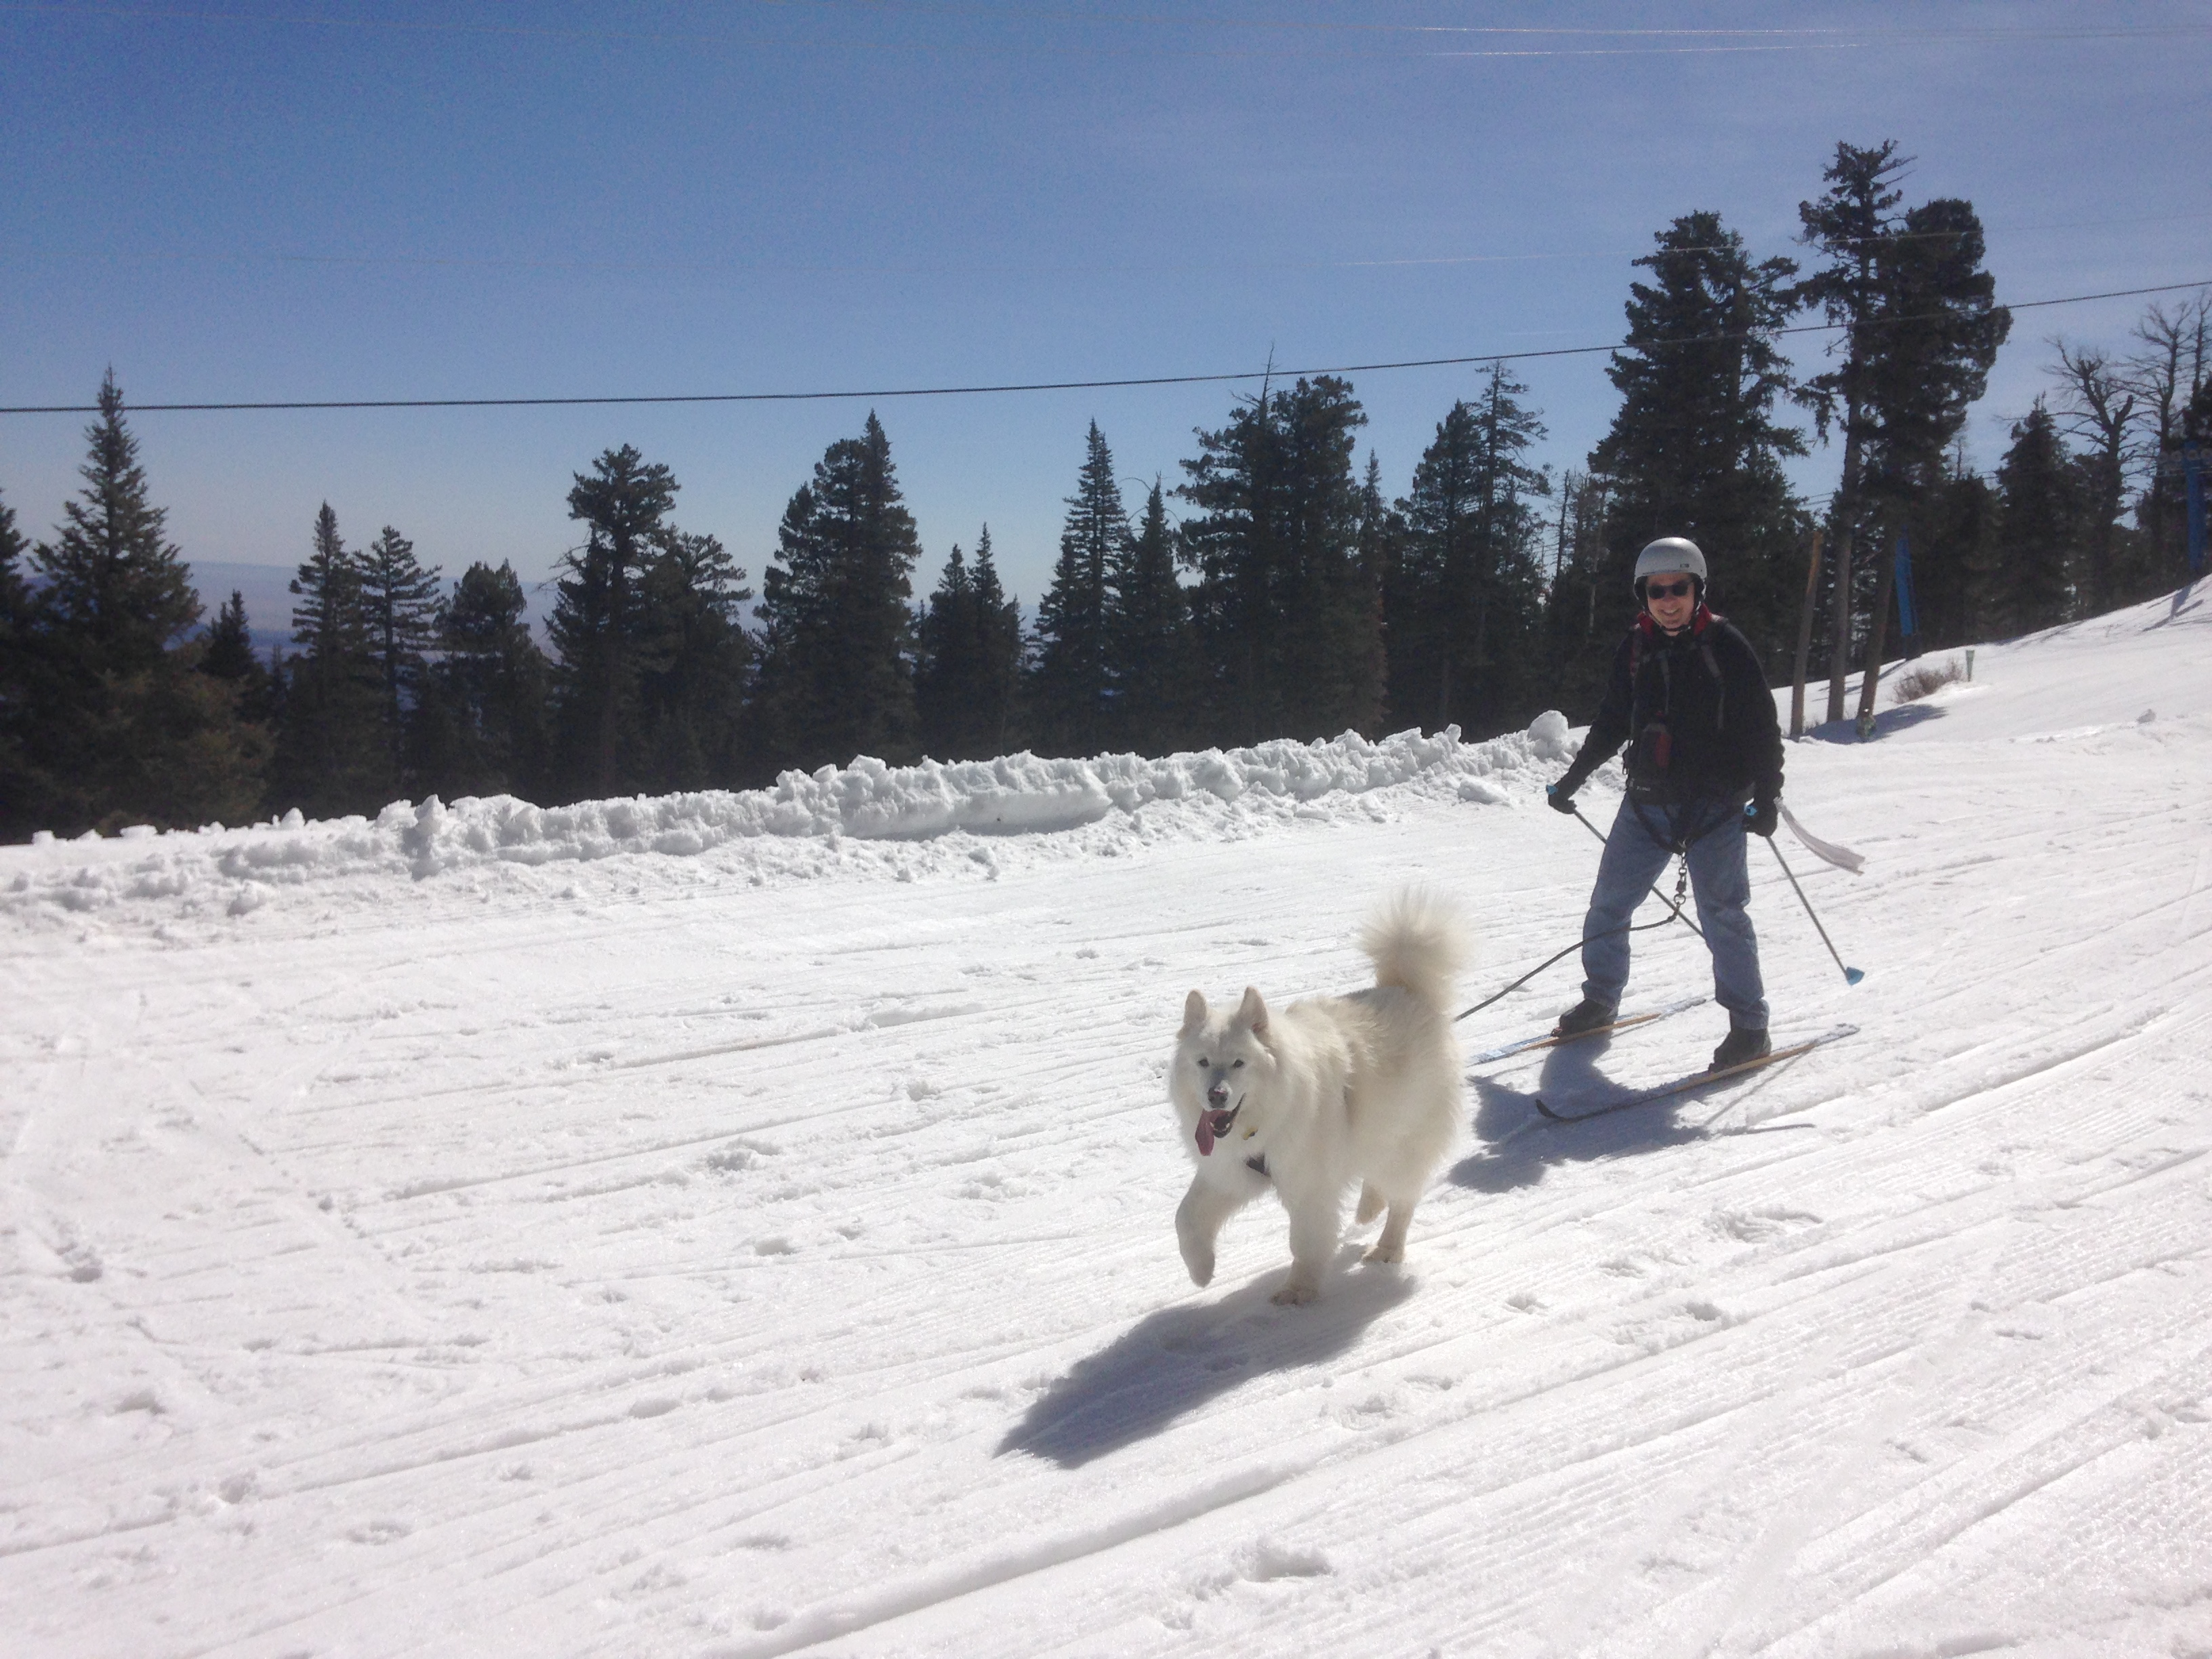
column 656, row 1254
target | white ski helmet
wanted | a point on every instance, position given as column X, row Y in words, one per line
column 1668, row 555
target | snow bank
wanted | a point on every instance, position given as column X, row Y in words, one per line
column 237, row 871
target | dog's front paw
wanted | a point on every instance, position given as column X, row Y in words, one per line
column 1385, row 1253
column 1200, row 1263
column 1294, row 1295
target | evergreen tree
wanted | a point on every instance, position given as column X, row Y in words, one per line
column 837, row 680
column 14, row 592
column 104, row 722
column 1071, row 695
column 998, row 655
column 15, row 678
column 695, row 661
column 1954, row 561
column 1287, row 611
column 333, row 755
column 948, row 662
column 596, row 625
column 1922, row 332
column 1574, row 645
column 2038, row 519
column 115, row 586
column 1467, row 580
column 399, row 603
column 1151, row 656
column 1695, row 449
column 480, row 727
column 227, row 654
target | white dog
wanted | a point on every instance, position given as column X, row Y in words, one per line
column 1327, row 1091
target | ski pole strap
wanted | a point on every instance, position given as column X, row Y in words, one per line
column 1841, row 857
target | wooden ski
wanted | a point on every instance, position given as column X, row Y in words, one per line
column 1683, row 1085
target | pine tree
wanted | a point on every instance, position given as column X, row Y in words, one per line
column 1467, row 578
column 1954, row 561
column 947, row 664
column 16, row 671
column 624, row 503
column 1283, row 606
column 2038, row 520
column 399, row 604
column 114, row 585
column 107, row 724
column 227, row 654
column 1071, row 695
column 1696, row 450
column 480, row 727
column 1922, row 333
column 695, row 660
column 14, row 592
column 1152, row 655
column 333, row 755
column 837, row 680
column 1575, row 648
column 999, row 656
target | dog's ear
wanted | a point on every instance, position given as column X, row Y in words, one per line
column 1252, row 1011
column 1193, row 1011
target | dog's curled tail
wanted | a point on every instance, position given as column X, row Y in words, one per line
column 1417, row 943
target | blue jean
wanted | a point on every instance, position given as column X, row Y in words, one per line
column 1634, row 858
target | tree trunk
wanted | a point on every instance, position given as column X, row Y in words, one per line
column 1805, row 640
column 1847, row 507
column 1877, row 635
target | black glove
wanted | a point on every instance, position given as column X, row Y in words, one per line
column 1560, row 796
column 1760, row 817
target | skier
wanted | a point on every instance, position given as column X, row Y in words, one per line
column 1704, row 768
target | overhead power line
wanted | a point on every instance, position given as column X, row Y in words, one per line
column 1037, row 385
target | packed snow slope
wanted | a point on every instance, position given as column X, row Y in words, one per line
column 741, row 1225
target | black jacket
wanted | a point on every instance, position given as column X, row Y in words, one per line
column 1698, row 713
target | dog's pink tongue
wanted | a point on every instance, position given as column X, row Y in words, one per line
column 1206, row 1134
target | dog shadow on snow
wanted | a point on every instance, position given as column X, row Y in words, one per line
column 1172, row 1363
column 1519, row 1145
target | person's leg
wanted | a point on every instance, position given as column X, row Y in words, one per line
column 1722, row 881
column 1632, row 860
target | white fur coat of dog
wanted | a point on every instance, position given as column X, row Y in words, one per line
column 1329, row 1090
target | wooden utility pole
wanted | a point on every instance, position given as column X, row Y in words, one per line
column 1804, row 640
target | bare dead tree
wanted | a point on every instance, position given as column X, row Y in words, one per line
column 2165, row 376
column 2097, row 408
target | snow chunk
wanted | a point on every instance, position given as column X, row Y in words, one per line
column 1547, row 736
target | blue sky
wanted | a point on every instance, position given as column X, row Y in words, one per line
column 244, row 199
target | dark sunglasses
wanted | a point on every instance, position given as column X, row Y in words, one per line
column 1680, row 590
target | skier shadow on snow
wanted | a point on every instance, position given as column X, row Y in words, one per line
column 1519, row 1145
column 1171, row 1363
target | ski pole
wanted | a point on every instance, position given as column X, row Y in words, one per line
column 1851, row 975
